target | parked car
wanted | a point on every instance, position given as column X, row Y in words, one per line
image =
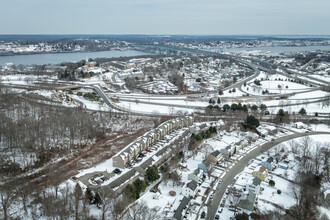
column 211, row 196
column 117, row 170
column 149, row 151
column 220, row 181
column 74, row 179
column 217, row 217
column 220, row 210
column 203, row 215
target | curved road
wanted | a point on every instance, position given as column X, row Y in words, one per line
column 241, row 164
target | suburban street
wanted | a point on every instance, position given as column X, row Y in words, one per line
column 241, row 164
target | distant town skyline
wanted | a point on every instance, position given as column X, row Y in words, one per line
column 187, row 17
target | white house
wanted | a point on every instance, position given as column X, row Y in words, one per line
column 299, row 125
column 253, row 185
column 189, row 190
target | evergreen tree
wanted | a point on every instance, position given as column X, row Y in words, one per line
column 242, row 216
column 254, row 108
column 140, row 186
column 263, row 107
column 251, row 120
column 302, row 111
column 152, row 173
column 226, row 107
column 234, row 79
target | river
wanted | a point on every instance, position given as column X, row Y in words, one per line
column 277, row 50
column 56, row 58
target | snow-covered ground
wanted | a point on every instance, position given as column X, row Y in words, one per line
column 152, row 108
column 325, row 78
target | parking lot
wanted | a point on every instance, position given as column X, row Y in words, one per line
column 86, row 179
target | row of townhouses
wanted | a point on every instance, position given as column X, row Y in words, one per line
column 145, row 142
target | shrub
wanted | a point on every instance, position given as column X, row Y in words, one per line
column 242, row 216
column 278, row 191
column 271, row 182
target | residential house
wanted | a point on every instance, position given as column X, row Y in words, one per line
column 252, row 136
column 205, row 165
column 247, row 200
column 120, row 161
column 269, row 163
column 196, row 175
column 260, row 172
column 271, row 129
column 227, row 151
column 215, row 156
column 283, row 165
column 180, row 210
column 190, row 189
column 254, row 185
column 299, row 125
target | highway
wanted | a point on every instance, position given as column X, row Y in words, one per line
column 241, row 164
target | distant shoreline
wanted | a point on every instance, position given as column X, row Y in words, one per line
column 58, row 52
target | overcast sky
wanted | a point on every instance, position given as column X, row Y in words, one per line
column 214, row 17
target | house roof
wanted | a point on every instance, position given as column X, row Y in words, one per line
column 207, row 162
column 215, row 153
column 192, row 185
column 270, row 159
column 197, row 171
column 178, row 213
column 256, row 181
column 262, row 169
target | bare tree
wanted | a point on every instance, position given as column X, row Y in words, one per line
column 141, row 211
column 305, row 151
column 7, row 197
column 294, row 146
column 325, row 155
column 234, row 199
column 317, row 157
column 175, row 177
column 77, row 196
column 277, row 151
